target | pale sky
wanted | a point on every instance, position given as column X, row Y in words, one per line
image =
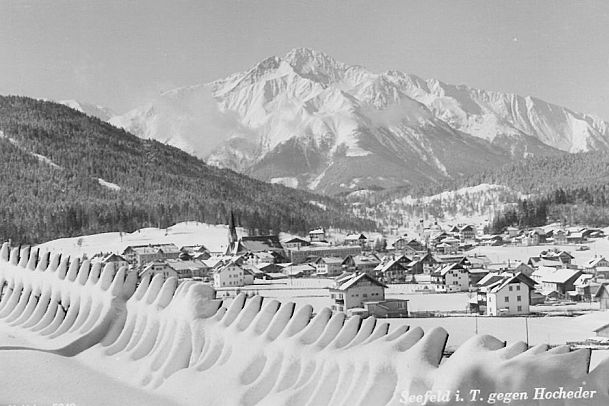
column 119, row 53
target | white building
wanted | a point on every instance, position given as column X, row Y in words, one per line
column 505, row 294
column 451, row 278
column 155, row 268
column 352, row 291
column 230, row 275
column 317, row 235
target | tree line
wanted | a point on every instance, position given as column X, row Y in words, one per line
column 159, row 185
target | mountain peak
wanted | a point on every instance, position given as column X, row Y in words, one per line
column 314, row 65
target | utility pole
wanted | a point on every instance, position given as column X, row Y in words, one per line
column 526, row 325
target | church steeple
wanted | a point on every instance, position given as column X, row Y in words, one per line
column 232, row 231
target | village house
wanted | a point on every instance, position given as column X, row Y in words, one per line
column 592, row 265
column 524, row 269
column 437, row 238
column 188, row 269
column 491, row 240
column 295, row 243
column 230, row 275
column 585, row 287
column 504, row 294
column 602, row 296
column 449, row 245
column 575, row 238
column 303, row 254
column 351, row 292
column 408, row 245
column 140, row 255
column 427, row 263
column 394, row 308
column 118, row 260
column 356, row 239
column 602, row 331
column 467, row 233
column 318, row 235
column 267, row 268
column 476, row 275
column 195, row 251
column 255, row 272
column 560, row 237
column 299, row 270
column 451, row 278
column 328, row 266
column 392, row 269
column 361, row 263
column 559, row 280
column 512, row 232
column 593, row 233
column 534, row 237
column 452, row 259
column 156, row 268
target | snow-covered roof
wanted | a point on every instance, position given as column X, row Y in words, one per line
column 583, row 280
column 388, row 263
column 447, row 268
column 355, row 278
column 520, row 277
column 179, row 265
column 113, row 257
column 355, row 237
column 330, row 260
column 554, row 275
column 593, row 263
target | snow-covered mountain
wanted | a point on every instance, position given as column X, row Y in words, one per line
column 309, row 121
column 93, row 110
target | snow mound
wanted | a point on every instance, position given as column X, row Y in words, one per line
column 180, row 342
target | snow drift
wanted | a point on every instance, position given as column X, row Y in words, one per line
column 178, row 340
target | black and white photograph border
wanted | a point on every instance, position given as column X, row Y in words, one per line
column 304, row 203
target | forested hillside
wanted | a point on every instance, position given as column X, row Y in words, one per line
column 573, row 188
column 63, row 173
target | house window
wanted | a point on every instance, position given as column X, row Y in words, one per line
column 507, row 299
column 511, row 288
column 518, row 287
column 519, row 308
column 519, row 298
column 364, row 295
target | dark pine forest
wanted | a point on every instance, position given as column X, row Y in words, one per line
column 159, row 185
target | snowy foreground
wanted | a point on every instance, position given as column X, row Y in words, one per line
column 101, row 340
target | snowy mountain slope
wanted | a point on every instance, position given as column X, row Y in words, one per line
column 492, row 115
column 309, row 121
column 103, row 113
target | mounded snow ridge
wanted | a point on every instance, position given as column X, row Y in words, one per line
column 180, row 342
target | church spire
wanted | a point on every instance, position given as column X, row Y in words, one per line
column 232, row 231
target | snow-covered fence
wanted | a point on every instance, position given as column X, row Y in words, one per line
column 180, row 341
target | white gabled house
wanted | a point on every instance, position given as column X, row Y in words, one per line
column 155, row 268
column 328, row 266
column 353, row 290
column 229, row 276
column 504, row 294
column 451, row 278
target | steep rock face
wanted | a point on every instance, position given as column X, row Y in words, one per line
column 309, row 121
